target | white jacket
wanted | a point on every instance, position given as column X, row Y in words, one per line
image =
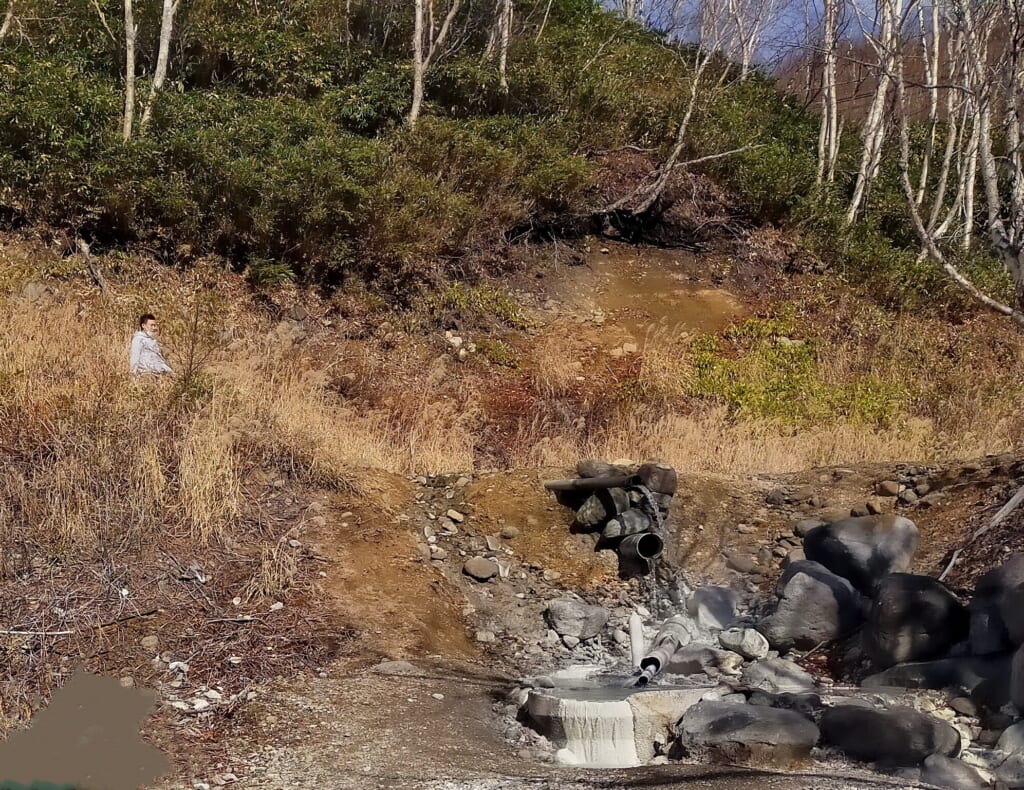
column 146, row 356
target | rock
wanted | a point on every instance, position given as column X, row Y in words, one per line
column 629, row 523
column 746, row 641
column 776, row 675
column 985, row 679
column 395, row 668
column 659, row 478
column 34, row 291
column 964, row 706
column 1012, row 739
column 792, row 557
column 805, row 703
column 889, row 737
column 1010, row 772
column 943, row 771
column 864, row 550
column 777, row 497
column 1017, row 678
column 908, row 497
column 150, row 642
column 569, row 617
column 996, row 606
column 814, row 606
column 485, row 637
column 591, row 468
column 713, row 608
column 456, row 516
column 741, row 563
column 654, row 716
column 697, row 659
column 510, row 533
column 913, row 618
column 746, row 734
column 480, row 569
column 802, row 527
column 887, row 488
column 570, row 641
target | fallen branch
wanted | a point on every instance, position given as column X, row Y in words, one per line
column 94, row 271
column 997, row 519
column 36, row 633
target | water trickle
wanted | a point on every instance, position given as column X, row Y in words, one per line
column 652, row 570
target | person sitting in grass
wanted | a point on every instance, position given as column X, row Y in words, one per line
column 145, row 355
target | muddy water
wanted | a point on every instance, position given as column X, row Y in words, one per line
column 638, row 295
column 647, row 294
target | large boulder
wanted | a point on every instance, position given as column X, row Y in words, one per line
column 943, row 771
column 733, row 732
column 985, row 679
column 913, row 618
column 776, row 675
column 997, row 608
column 864, row 550
column 1017, row 678
column 814, row 606
column 888, row 737
column 569, row 617
column 659, row 478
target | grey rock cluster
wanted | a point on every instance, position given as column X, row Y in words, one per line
column 636, row 500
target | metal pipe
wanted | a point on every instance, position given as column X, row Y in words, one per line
column 644, row 546
column 636, row 639
column 673, row 634
column 592, row 483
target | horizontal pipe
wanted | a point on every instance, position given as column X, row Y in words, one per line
column 592, row 483
column 643, row 546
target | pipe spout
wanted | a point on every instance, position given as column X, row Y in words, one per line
column 643, row 546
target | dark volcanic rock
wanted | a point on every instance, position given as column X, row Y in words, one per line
column 752, row 734
column 864, row 550
column 891, row 737
column 814, row 605
column 985, row 680
column 913, row 618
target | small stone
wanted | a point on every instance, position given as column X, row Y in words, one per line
column 199, row 704
column 127, row 682
column 150, row 642
column 887, row 488
column 510, row 533
column 276, row 606
column 480, row 569
column 485, row 637
column 455, row 516
column 741, row 563
column 570, row 641
column 438, row 697
column 778, row 497
column 630, row 348
column 746, row 641
column 295, row 544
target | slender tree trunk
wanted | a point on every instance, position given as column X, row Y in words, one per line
column 5, row 26
column 418, row 66
column 544, row 21
column 930, row 58
column 828, row 135
column 162, row 59
column 886, row 48
column 130, row 31
column 506, row 36
column 427, row 42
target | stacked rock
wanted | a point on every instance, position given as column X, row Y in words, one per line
column 622, row 503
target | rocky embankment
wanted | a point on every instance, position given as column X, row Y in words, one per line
column 852, row 657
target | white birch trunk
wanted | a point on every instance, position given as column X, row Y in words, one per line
column 162, row 59
column 130, row 32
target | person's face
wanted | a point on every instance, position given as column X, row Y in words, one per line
column 149, row 327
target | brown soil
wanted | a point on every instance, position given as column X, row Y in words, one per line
column 379, row 582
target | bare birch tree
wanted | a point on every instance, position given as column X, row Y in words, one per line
column 170, row 8
column 427, row 43
column 131, row 30
column 987, row 83
column 829, row 132
column 500, row 38
column 886, row 44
